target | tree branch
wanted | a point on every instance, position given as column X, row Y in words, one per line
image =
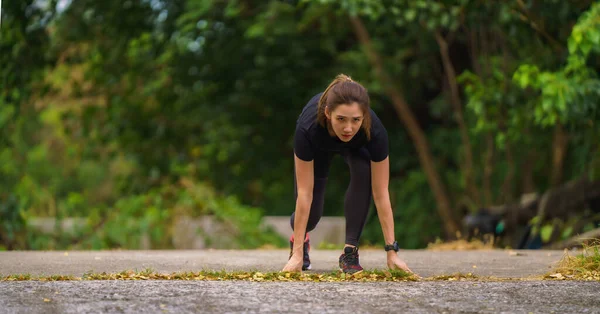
column 468, row 165
column 536, row 25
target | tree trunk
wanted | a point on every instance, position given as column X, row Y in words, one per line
column 559, row 150
column 507, row 186
column 414, row 130
column 467, row 166
column 528, row 183
column 488, row 169
column 488, row 166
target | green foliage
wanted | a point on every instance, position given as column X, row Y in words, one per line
column 22, row 59
column 571, row 94
column 417, row 221
column 13, row 224
column 149, row 221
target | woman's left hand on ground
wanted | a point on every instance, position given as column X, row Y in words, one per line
column 394, row 262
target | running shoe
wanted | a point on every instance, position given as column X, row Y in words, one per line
column 349, row 261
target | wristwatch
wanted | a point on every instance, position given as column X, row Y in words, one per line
column 393, row 246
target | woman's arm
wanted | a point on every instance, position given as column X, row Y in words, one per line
column 304, row 185
column 380, row 178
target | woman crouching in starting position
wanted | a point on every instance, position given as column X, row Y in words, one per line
column 340, row 121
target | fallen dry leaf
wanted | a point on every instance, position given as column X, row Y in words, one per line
column 557, row 276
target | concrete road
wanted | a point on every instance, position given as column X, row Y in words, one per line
column 160, row 296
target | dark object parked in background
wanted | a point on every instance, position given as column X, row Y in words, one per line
column 511, row 223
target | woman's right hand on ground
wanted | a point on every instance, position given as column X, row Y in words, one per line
column 294, row 264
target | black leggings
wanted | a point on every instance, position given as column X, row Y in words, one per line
column 358, row 195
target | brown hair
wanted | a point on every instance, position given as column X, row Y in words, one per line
column 343, row 90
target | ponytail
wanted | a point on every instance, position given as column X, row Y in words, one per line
column 323, row 99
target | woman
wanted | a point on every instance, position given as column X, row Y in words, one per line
column 340, row 121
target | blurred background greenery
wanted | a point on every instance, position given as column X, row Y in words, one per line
column 131, row 114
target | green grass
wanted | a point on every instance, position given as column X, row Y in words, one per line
column 584, row 266
column 456, row 277
column 149, row 274
column 373, row 275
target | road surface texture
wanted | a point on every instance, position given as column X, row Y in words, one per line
column 532, row 295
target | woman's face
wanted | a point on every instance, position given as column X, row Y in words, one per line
column 346, row 120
